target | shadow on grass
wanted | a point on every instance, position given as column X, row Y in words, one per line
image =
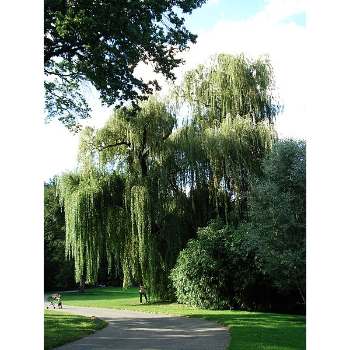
column 157, row 333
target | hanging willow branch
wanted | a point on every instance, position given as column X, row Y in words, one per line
column 92, row 207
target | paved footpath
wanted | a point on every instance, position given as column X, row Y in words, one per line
column 129, row 330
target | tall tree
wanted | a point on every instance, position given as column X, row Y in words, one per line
column 278, row 215
column 102, row 42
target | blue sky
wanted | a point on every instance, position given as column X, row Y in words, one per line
column 230, row 10
column 253, row 27
column 214, row 10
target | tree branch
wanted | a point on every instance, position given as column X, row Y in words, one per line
column 61, row 75
column 166, row 135
column 119, row 143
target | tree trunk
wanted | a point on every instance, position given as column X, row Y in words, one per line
column 301, row 293
column 82, row 286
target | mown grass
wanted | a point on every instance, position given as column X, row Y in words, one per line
column 249, row 330
column 61, row 328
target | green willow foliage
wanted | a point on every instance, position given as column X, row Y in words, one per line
column 168, row 180
column 220, row 158
column 93, row 216
column 232, row 85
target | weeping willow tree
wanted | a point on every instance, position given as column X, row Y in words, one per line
column 144, row 186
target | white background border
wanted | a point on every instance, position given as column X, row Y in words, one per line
column 21, row 200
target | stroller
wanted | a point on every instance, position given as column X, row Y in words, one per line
column 55, row 300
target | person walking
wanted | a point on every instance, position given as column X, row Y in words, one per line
column 59, row 301
column 142, row 292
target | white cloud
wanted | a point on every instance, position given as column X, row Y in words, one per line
column 60, row 151
column 277, row 10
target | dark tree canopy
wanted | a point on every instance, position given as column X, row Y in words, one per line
column 59, row 272
column 102, row 42
column 277, row 210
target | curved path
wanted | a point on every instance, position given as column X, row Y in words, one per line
column 129, row 330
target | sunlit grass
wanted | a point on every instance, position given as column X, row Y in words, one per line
column 249, row 330
column 61, row 328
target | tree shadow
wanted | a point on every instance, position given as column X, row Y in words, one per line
column 156, row 333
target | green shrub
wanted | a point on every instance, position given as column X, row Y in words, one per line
column 216, row 270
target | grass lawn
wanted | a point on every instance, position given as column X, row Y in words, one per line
column 249, row 330
column 61, row 328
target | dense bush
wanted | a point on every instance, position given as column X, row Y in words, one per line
column 216, row 270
